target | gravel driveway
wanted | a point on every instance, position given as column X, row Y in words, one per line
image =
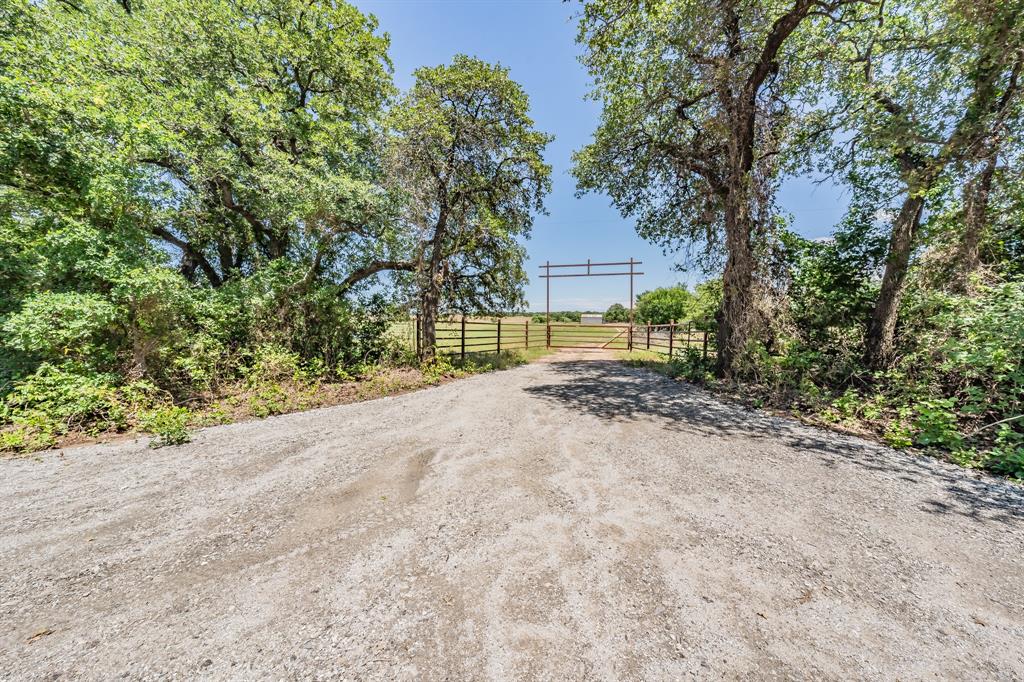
column 567, row 519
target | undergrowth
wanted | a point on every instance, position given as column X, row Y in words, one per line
column 63, row 404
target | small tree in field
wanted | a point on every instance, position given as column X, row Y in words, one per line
column 468, row 162
column 664, row 304
column 616, row 313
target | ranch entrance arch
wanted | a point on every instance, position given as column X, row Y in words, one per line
column 590, row 336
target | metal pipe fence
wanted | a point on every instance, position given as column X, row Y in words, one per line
column 463, row 335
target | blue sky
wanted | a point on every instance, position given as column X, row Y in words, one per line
column 535, row 39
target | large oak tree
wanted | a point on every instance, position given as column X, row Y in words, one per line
column 467, row 161
column 928, row 87
column 701, row 105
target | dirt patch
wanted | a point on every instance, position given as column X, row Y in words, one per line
column 573, row 518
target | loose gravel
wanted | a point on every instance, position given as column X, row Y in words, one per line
column 569, row 519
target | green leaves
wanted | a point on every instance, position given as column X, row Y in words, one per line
column 60, row 325
column 664, row 305
column 466, row 159
column 236, row 133
column 678, row 81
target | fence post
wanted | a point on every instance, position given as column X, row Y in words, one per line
column 629, row 340
column 463, row 351
column 648, row 336
column 548, row 334
column 689, row 325
column 671, row 336
column 499, row 334
column 526, row 334
column 705, row 344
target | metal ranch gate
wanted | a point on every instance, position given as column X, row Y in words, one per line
column 463, row 335
column 459, row 336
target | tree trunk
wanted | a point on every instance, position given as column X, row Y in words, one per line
column 976, row 197
column 738, row 277
column 140, row 349
column 432, row 283
column 879, row 345
column 428, row 319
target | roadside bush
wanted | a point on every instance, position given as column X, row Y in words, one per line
column 58, row 399
column 959, row 367
column 693, row 367
column 168, row 423
column 270, row 363
column 55, row 326
column 437, row 368
column 1007, row 454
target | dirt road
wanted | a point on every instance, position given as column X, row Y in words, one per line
column 563, row 520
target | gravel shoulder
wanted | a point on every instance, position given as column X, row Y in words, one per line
column 572, row 518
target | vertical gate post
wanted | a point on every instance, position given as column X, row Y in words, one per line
column 630, row 343
column 463, row 335
column 526, row 334
column 499, row 334
column 547, row 299
column 648, row 336
column 705, row 344
column 671, row 336
column 548, row 326
column 419, row 347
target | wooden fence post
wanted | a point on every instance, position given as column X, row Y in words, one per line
column 499, row 334
column 419, row 347
column 671, row 336
column 548, row 334
column 526, row 334
column 463, row 352
column 689, row 325
column 705, row 344
column 648, row 336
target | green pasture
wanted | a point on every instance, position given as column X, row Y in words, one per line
column 517, row 333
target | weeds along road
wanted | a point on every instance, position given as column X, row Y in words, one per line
column 564, row 520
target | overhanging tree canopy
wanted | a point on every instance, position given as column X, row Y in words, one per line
column 701, row 107
column 468, row 164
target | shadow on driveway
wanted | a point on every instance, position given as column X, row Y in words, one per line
column 613, row 391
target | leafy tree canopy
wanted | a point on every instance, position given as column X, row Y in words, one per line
column 664, row 305
column 468, row 164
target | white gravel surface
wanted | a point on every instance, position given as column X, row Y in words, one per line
column 568, row 519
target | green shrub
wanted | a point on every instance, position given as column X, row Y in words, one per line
column 54, row 326
column 271, row 363
column 935, row 424
column 64, row 397
column 439, row 367
column 1007, row 455
column 269, row 400
column 899, row 433
column 168, row 423
column 691, row 366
